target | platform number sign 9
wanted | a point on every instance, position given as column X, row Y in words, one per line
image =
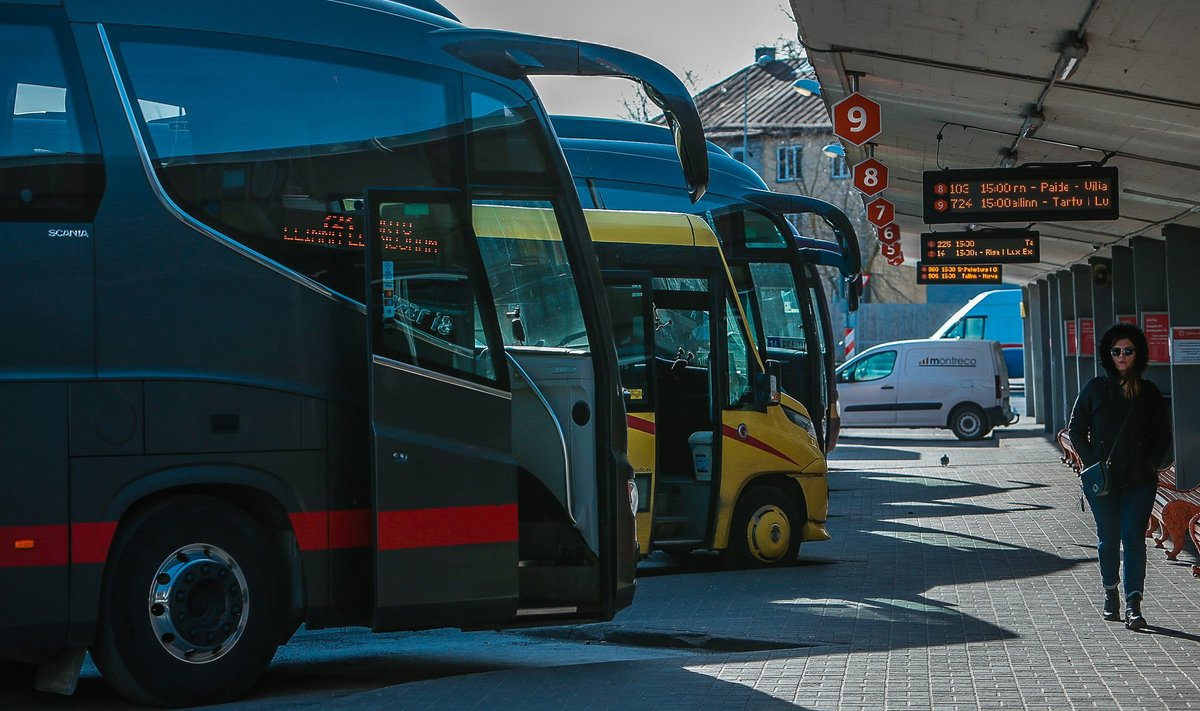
column 856, row 119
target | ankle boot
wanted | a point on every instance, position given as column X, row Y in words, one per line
column 1112, row 605
column 1133, row 613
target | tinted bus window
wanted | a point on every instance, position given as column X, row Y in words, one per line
column 50, row 167
column 274, row 149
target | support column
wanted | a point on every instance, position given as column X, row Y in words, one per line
column 1102, row 299
column 1085, row 325
column 1028, row 307
column 1070, row 341
column 1056, row 332
column 1183, row 256
column 1043, row 358
column 1124, row 301
column 1150, row 292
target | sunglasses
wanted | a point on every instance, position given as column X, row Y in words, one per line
column 1126, row 351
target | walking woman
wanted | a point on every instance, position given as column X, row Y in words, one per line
column 1121, row 418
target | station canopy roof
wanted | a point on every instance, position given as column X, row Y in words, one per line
column 973, row 70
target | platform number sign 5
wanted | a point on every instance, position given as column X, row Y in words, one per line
column 856, row 119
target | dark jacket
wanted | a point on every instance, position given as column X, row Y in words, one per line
column 1102, row 406
column 1096, row 421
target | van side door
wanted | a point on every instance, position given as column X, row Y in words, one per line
column 867, row 390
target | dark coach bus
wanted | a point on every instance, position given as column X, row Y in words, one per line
column 261, row 369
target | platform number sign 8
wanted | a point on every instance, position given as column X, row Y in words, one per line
column 870, row 177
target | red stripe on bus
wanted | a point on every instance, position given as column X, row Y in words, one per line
column 457, row 526
column 637, row 423
column 326, row 530
column 732, row 433
column 30, row 546
column 90, row 541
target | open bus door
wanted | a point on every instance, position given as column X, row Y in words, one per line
column 444, row 479
column 633, row 323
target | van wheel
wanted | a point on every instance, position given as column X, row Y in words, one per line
column 968, row 422
column 193, row 605
column 765, row 531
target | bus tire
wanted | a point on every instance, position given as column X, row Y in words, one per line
column 765, row 529
column 193, row 604
column 968, row 422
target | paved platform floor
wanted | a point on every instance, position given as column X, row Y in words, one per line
column 967, row 586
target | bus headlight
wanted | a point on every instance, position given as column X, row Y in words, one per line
column 801, row 421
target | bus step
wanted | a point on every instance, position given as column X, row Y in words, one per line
column 689, row 544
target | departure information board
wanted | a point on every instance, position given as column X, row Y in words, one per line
column 958, row 273
column 1048, row 193
column 981, row 247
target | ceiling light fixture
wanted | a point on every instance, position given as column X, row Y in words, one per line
column 1069, row 58
column 1033, row 121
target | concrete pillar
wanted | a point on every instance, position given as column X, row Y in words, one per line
column 1124, row 301
column 1056, row 332
column 1085, row 324
column 1028, row 304
column 1070, row 340
column 1150, row 294
column 1183, row 258
column 1102, row 299
column 1042, row 357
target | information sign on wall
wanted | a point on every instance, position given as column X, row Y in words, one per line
column 1036, row 194
column 1157, row 325
column 1127, row 318
column 1087, row 337
column 1185, row 345
column 1071, row 349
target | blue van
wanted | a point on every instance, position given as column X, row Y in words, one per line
column 995, row 316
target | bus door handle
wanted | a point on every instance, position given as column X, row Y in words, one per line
column 887, row 387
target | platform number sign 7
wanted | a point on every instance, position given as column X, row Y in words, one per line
column 880, row 212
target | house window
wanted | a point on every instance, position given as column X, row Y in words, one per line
column 839, row 169
column 787, row 163
column 738, row 154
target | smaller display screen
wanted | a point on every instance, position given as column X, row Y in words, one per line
column 958, row 273
column 983, row 247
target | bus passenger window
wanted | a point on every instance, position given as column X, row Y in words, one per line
column 291, row 189
column 50, row 163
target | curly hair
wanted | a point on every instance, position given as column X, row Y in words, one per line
column 1141, row 357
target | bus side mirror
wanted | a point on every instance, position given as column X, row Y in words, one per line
column 766, row 385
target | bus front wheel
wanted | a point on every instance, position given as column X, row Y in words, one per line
column 765, row 531
column 193, row 604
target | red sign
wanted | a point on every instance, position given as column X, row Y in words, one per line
column 889, row 234
column 1157, row 325
column 1127, row 318
column 890, row 250
column 1185, row 345
column 1087, row 337
column 856, row 119
column 880, row 212
column 897, row 260
column 1071, row 348
column 870, row 177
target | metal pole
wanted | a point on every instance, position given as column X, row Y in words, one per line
column 746, row 116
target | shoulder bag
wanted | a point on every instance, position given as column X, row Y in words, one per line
column 1095, row 479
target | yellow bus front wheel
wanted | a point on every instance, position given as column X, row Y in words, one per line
column 765, row 530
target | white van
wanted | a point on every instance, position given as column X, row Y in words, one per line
column 962, row 385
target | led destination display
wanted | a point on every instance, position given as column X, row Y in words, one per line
column 981, row 247
column 1036, row 194
column 958, row 273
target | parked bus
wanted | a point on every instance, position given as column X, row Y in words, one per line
column 720, row 463
column 627, row 165
column 996, row 316
column 241, row 390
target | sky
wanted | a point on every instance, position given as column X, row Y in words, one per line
column 710, row 38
